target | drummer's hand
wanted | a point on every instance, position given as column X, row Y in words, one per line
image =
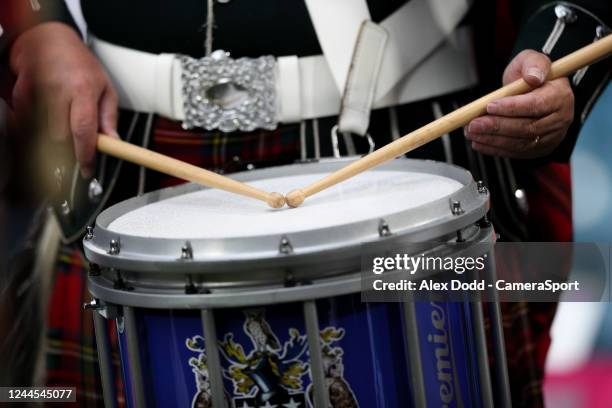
column 530, row 125
column 57, row 74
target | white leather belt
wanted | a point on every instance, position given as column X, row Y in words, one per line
column 305, row 86
column 259, row 93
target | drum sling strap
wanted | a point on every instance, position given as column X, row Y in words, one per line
column 368, row 60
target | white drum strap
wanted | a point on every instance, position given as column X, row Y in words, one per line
column 372, row 70
column 416, row 30
column 358, row 94
column 288, row 88
column 337, row 25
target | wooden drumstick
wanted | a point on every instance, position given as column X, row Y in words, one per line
column 177, row 168
column 446, row 124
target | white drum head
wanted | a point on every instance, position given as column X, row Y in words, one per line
column 207, row 214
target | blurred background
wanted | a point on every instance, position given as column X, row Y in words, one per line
column 579, row 365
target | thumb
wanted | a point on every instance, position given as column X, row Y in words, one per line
column 532, row 66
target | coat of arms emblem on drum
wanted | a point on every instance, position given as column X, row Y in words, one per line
column 273, row 374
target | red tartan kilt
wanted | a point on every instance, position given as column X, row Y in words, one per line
column 225, row 152
column 527, row 325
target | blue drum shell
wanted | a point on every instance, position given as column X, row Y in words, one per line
column 363, row 346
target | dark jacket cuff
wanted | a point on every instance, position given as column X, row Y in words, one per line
column 17, row 16
column 535, row 30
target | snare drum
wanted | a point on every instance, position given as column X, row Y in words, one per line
column 219, row 301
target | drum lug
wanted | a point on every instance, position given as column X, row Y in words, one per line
column 187, row 252
column 383, row 229
column 482, row 189
column 92, row 305
column 105, row 310
column 94, row 269
column 115, row 247
column 484, row 222
column 119, row 283
column 285, row 246
column 89, row 234
column 456, row 208
column 190, row 287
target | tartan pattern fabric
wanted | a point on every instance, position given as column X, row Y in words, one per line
column 550, row 203
column 526, row 329
column 72, row 359
column 527, row 325
column 224, row 152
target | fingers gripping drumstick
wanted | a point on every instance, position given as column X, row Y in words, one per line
column 446, row 124
column 168, row 165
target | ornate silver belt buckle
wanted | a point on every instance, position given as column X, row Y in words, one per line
column 229, row 94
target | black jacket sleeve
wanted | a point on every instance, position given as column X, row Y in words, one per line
column 17, row 16
column 536, row 20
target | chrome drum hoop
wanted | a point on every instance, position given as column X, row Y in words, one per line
column 159, row 294
column 151, row 265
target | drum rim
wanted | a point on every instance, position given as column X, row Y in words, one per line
column 154, row 255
